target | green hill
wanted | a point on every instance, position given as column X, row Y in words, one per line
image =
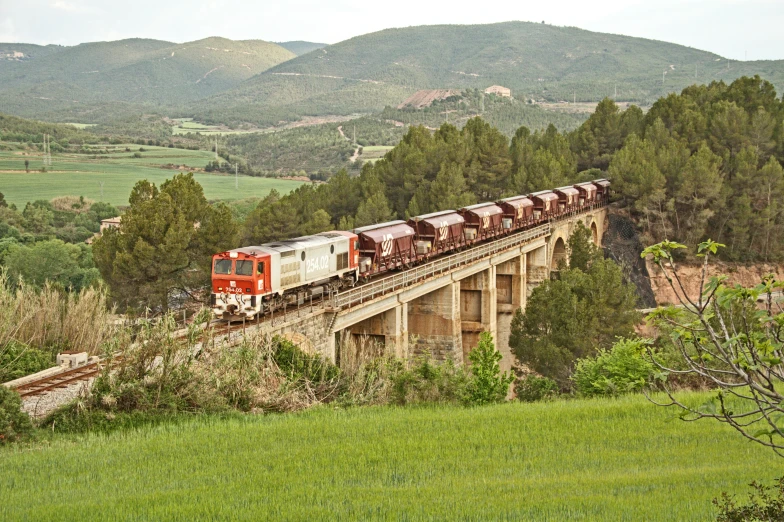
column 538, row 61
column 68, row 83
column 299, row 47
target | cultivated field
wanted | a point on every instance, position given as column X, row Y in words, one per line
column 373, row 153
column 81, row 175
column 619, row 459
column 186, row 125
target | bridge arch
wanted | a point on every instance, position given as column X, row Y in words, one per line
column 595, row 234
column 559, row 254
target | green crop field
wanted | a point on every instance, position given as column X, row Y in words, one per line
column 81, row 175
column 623, row 459
column 187, row 125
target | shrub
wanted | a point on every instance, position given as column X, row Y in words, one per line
column 137, row 154
column 622, row 369
column 14, row 423
column 428, row 381
column 533, row 388
column 17, row 360
column 487, row 384
column 766, row 504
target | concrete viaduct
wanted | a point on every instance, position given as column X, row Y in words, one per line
column 442, row 306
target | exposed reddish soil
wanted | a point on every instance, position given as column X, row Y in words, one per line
column 744, row 275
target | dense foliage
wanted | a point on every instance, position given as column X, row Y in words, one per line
column 573, row 316
column 707, row 163
column 14, row 423
column 621, row 369
column 165, row 243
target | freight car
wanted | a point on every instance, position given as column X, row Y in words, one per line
column 587, row 193
column 483, row 221
column 545, row 204
column 567, row 199
column 518, row 212
column 438, row 232
column 253, row 280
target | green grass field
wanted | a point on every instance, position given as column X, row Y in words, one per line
column 373, row 153
column 622, row 459
column 80, row 175
column 186, row 125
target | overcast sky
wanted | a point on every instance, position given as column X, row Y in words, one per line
column 738, row 29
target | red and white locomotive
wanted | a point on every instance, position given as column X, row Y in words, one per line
column 253, row 280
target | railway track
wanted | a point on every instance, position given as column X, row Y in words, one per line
column 60, row 379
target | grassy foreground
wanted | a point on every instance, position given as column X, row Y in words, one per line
column 577, row 460
column 81, row 175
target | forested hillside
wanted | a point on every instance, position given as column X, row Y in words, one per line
column 72, row 82
column 536, row 61
column 704, row 163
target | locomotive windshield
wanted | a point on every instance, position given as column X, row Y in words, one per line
column 223, row 266
column 244, row 268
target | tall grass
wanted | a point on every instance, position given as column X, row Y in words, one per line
column 600, row 459
column 52, row 319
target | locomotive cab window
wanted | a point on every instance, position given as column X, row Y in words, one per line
column 356, row 245
column 302, row 256
column 244, row 268
column 260, row 268
column 223, row 266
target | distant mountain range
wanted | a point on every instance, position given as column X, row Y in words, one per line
column 71, row 81
column 261, row 83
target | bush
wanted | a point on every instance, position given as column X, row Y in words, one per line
column 14, row 423
column 487, row 384
column 622, row 369
column 137, row 154
column 766, row 504
column 533, row 388
column 428, row 381
column 17, row 360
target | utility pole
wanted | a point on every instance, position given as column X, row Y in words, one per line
column 216, row 147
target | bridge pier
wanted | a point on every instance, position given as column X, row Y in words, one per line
column 511, row 291
column 387, row 331
column 434, row 323
column 478, row 308
column 537, row 269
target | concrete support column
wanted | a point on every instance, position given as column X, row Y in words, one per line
column 510, row 292
column 478, row 308
column 399, row 332
column 490, row 302
column 434, row 323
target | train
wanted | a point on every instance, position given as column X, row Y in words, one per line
column 254, row 280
